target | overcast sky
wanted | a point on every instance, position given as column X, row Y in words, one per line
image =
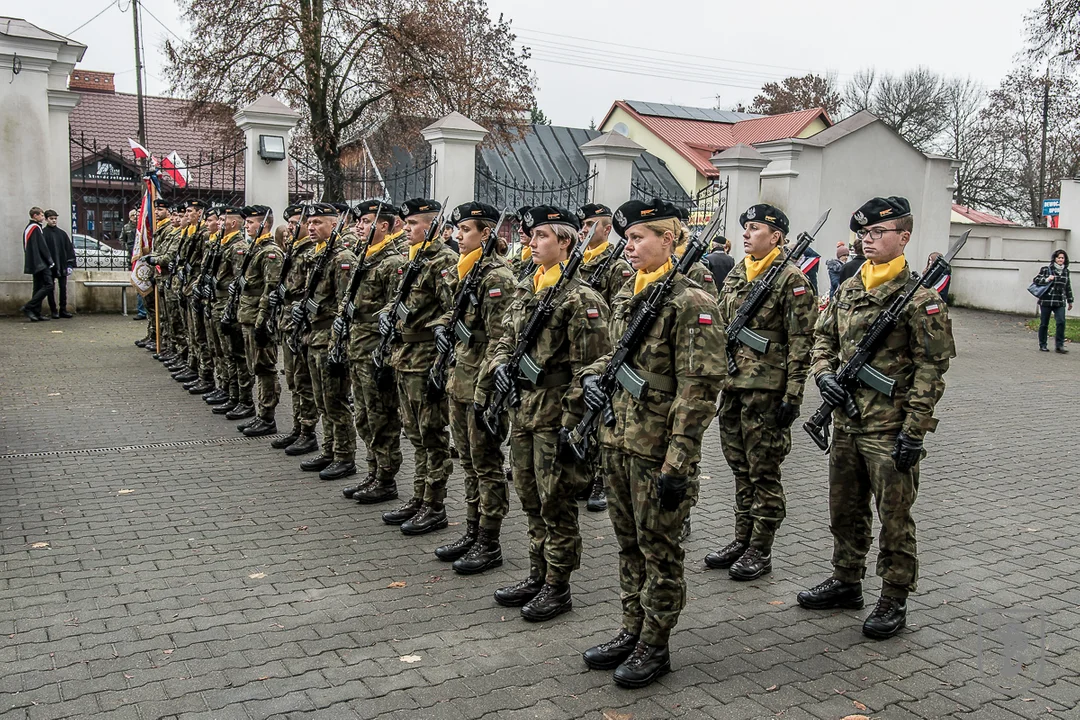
column 588, row 53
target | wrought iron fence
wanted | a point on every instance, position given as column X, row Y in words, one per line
column 701, row 205
column 508, row 191
column 399, row 182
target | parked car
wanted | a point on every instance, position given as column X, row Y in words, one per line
column 93, row 254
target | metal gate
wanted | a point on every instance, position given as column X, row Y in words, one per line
column 702, row 205
column 407, row 178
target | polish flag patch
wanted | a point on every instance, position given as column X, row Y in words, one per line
column 592, row 313
column 708, row 278
column 801, row 290
column 627, row 273
column 443, row 273
column 345, row 266
column 399, row 271
column 704, row 319
column 933, row 309
column 240, row 251
column 272, row 256
column 495, row 292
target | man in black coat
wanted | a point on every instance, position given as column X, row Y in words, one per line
column 37, row 262
column 719, row 262
column 63, row 253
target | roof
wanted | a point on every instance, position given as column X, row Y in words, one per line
column 964, row 214
column 17, row 27
column 699, row 133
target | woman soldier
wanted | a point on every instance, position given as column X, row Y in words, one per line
column 652, row 452
column 473, row 343
column 545, row 476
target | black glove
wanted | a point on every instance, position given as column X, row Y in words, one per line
column 504, row 381
column 562, row 449
column 386, row 325
column 831, row 390
column 150, row 260
column 595, row 398
column 786, row 414
column 907, row 452
column 234, row 289
column 671, row 491
column 338, row 329
column 274, row 298
column 443, row 342
column 297, row 313
column 262, row 336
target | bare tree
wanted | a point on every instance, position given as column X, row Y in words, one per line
column 1053, row 29
column 353, row 67
column 798, row 93
column 912, row 103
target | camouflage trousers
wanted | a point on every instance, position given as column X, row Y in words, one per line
column 262, row 364
column 199, row 358
column 754, row 446
column 331, row 399
column 378, row 422
column 163, row 324
column 178, row 325
column 221, row 351
column 234, row 336
column 861, row 471
column 486, row 497
column 151, row 313
column 305, row 415
column 424, row 421
column 652, row 588
column 546, row 489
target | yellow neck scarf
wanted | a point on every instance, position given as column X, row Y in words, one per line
column 320, row 246
column 162, row 223
column 465, row 262
column 526, row 253
column 226, row 238
column 546, row 278
column 874, row 275
column 591, row 253
column 414, row 249
column 260, row 239
column 380, row 245
column 756, row 267
column 642, row 279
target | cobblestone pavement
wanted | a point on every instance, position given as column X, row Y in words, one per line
column 155, row 565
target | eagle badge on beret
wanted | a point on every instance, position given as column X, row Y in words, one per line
column 404, row 209
column 529, row 219
column 619, row 218
column 457, row 214
column 751, row 213
column 860, row 217
column 580, row 214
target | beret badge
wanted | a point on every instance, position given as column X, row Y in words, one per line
column 751, row 213
column 860, row 217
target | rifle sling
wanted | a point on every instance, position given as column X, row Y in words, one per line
column 550, row 380
column 418, row 337
column 660, row 383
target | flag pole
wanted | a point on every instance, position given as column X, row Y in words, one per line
column 157, row 321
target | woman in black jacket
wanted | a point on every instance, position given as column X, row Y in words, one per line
column 1058, row 295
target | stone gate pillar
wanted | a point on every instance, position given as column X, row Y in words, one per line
column 611, row 156
column 453, row 141
column 266, row 124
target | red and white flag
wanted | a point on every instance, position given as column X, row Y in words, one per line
column 142, row 274
column 140, row 152
column 175, row 168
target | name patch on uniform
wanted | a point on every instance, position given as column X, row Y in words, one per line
column 495, row 292
column 933, row 309
column 592, row 313
column 801, row 290
column 704, row 319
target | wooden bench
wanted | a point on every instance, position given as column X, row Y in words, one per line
column 122, row 284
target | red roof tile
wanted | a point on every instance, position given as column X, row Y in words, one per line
column 981, row 218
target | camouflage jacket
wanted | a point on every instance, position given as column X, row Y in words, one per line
column 701, row 274
column 260, row 277
column 381, row 273
column 197, row 250
column 786, row 320
column 165, row 244
column 484, row 319
column 303, row 256
column 684, row 349
column 234, row 249
column 915, row 354
column 575, row 336
column 430, row 298
column 328, row 292
column 181, row 257
column 612, row 280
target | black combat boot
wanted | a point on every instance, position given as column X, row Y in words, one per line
column 183, row 376
column 645, row 664
column 484, row 554
column 403, row 513
column 610, row 655
column 753, row 564
column 283, row 442
column 140, row 343
column 216, row 396
column 519, row 593
column 428, row 518
column 551, row 601
column 832, row 594
column 225, row 408
column 726, row 556
column 241, row 411
column 192, row 383
column 350, row 491
column 379, row 491
column 318, row 463
column 306, row 443
column 598, row 498
column 888, row 618
column 456, row 549
column 201, row 388
column 337, row 470
column 250, row 422
column 261, row 428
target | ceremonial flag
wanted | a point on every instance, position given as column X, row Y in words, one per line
column 944, row 281
column 141, row 153
column 175, row 168
column 809, row 262
column 141, row 272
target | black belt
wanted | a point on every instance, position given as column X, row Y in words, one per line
column 418, row 337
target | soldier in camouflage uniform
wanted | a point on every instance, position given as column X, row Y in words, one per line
column 424, row 419
column 652, row 452
column 378, row 422
column 164, row 257
column 214, row 227
column 260, row 350
column 177, row 300
column 545, row 475
column 338, row 457
column 153, row 314
column 473, row 344
column 607, row 277
column 301, row 439
column 699, row 272
column 521, row 264
column 875, row 457
column 230, row 339
column 200, row 359
column 761, row 400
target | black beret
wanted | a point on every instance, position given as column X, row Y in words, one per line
column 368, row 207
column 683, row 214
column 249, row 211
column 177, row 207
column 341, row 207
column 765, row 213
column 159, row 203
column 294, row 209
column 214, row 210
column 419, row 206
column 522, row 210
column 321, row 210
column 879, row 209
column 549, row 215
column 593, row 210
column 635, row 212
column 475, row 211
column 196, row 203
column 229, row 210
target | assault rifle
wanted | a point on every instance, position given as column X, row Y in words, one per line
column 596, row 277
column 277, row 295
column 528, row 267
column 858, row 369
column 337, row 358
column 398, row 310
column 466, row 296
column 308, row 306
column 618, row 370
column 520, row 363
column 230, row 314
column 737, row 332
